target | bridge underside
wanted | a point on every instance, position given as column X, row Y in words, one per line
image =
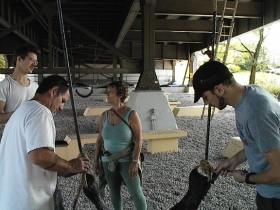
column 120, row 37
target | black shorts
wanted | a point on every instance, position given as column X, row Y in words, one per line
column 267, row 203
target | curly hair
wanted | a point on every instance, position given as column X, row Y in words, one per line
column 121, row 87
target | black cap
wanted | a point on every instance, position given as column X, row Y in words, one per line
column 209, row 75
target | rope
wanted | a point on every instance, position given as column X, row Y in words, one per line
column 83, row 183
column 69, row 75
column 213, row 38
column 212, row 58
column 215, row 5
column 71, row 92
column 207, row 168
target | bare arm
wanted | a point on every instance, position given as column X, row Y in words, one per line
column 270, row 176
column 4, row 117
column 229, row 165
column 136, row 127
column 48, row 160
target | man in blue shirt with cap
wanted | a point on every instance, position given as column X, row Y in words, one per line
column 257, row 115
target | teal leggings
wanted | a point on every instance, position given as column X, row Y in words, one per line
column 114, row 180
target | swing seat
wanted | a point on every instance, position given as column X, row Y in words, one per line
column 198, row 188
column 86, row 95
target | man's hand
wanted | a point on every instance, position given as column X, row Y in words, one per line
column 230, row 164
column 80, row 164
column 224, row 167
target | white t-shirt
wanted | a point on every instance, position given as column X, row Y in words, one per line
column 23, row 185
column 14, row 94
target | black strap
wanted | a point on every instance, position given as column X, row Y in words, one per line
column 120, row 117
column 247, row 181
column 123, row 120
column 141, row 154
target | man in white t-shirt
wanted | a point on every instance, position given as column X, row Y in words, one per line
column 29, row 165
column 17, row 87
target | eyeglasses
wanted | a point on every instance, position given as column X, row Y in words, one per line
column 30, row 59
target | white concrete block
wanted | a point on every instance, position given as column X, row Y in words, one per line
column 234, row 146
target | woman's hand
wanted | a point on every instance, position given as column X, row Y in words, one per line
column 133, row 170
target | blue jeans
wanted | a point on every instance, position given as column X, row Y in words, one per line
column 114, row 180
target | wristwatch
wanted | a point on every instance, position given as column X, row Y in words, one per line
column 247, row 181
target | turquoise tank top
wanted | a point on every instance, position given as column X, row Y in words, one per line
column 116, row 137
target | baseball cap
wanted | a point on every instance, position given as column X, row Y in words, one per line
column 209, row 75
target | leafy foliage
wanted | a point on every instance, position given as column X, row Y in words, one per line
column 2, row 62
column 233, row 68
column 244, row 54
column 269, row 83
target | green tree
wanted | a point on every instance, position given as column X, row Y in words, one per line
column 2, row 62
column 255, row 55
column 250, row 56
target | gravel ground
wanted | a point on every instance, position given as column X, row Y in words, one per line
column 165, row 175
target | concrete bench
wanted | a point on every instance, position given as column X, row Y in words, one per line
column 105, row 99
column 191, row 111
column 126, row 100
column 157, row 141
column 167, row 94
column 70, row 150
column 174, row 104
column 91, row 111
column 234, row 146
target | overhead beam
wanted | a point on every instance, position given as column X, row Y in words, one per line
column 201, row 26
column 244, row 25
column 162, row 52
column 17, row 32
column 271, row 11
column 78, row 71
column 12, row 28
column 184, row 37
column 148, row 79
column 127, row 23
column 89, row 33
column 205, row 8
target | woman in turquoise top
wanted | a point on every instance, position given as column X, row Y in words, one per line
column 116, row 136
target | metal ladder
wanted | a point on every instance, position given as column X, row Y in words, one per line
column 186, row 71
column 226, row 30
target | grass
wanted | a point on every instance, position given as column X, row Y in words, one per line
column 242, row 77
column 270, row 82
